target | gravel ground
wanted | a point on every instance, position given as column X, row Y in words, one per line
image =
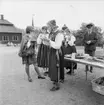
column 16, row 90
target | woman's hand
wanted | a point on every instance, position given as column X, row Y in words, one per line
column 46, row 41
column 88, row 42
column 20, row 54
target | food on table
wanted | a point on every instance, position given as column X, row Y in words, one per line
column 101, row 57
column 100, row 81
column 79, row 56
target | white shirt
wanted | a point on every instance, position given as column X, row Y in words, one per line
column 29, row 41
column 40, row 37
column 72, row 40
column 58, row 41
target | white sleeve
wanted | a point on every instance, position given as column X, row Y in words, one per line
column 58, row 41
column 73, row 38
column 71, row 42
column 39, row 39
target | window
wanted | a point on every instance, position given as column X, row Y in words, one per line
column 5, row 38
column 15, row 38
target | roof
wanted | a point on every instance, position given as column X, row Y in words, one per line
column 5, row 22
column 8, row 27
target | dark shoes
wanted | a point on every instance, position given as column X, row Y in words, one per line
column 69, row 72
column 55, row 88
column 61, row 80
column 90, row 70
column 46, row 73
column 29, row 79
column 40, row 77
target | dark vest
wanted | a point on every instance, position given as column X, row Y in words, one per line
column 52, row 36
column 92, row 37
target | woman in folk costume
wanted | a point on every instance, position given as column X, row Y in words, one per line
column 55, row 42
column 28, row 52
column 43, row 51
column 69, row 48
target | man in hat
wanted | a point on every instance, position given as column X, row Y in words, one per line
column 90, row 41
column 56, row 54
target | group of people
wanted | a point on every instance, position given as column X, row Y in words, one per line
column 48, row 50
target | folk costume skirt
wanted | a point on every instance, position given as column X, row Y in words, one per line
column 69, row 50
column 53, row 68
column 43, row 56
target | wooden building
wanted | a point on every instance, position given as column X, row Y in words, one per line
column 8, row 32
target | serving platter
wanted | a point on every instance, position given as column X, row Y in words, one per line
column 95, row 59
column 79, row 57
column 68, row 55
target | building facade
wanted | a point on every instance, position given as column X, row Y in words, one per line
column 8, row 32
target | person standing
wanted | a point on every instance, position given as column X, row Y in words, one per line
column 55, row 42
column 28, row 52
column 43, row 50
column 90, row 41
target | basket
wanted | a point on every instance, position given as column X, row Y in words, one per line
column 96, row 87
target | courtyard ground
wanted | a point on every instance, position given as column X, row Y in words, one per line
column 16, row 90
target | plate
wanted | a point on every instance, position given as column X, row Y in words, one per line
column 68, row 55
column 102, row 58
column 95, row 59
column 98, row 60
column 80, row 57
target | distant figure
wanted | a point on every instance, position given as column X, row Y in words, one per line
column 69, row 48
column 8, row 44
column 90, row 40
column 28, row 52
column 43, row 50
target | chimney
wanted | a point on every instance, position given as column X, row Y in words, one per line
column 2, row 17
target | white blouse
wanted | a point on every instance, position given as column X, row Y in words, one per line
column 58, row 41
column 40, row 37
column 71, row 41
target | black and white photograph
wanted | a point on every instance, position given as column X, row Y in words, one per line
column 51, row 52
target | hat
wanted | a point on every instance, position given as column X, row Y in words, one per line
column 64, row 27
column 52, row 23
column 29, row 29
column 44, row 28
column 89, row 25
column 67, row 29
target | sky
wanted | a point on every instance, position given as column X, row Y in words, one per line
column 72, row 13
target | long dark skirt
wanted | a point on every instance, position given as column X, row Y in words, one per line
column 90, row 52
column 43, row 56
column 53, row 69
column 69, row 50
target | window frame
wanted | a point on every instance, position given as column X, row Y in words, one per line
column 15, row 38
column 5, row 38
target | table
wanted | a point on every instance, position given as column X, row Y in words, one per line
column 86, row 62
